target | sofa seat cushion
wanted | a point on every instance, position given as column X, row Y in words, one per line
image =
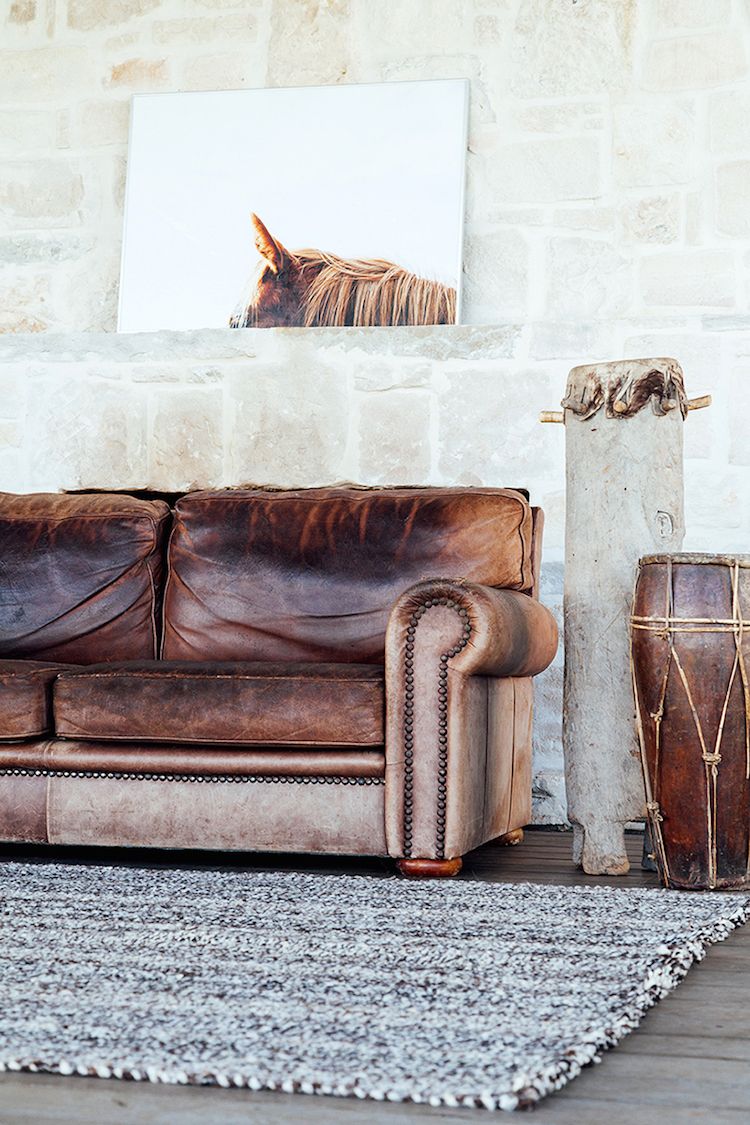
column 26, row 698
column 233, row 703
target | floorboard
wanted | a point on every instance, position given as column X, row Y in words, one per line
column 686, row 1064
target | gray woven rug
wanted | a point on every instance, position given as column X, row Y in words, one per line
column 446, row 993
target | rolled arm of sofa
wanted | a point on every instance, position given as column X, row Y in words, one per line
column 502, row 632
column 458, row 707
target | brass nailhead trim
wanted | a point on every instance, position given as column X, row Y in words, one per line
column 268, row 779
column 442, row 722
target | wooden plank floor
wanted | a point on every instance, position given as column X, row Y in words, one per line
column 688, row 1062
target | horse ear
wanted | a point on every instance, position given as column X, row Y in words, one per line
column 268, row 247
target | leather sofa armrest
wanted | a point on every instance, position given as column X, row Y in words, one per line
column 502, row 632
column 459, row 658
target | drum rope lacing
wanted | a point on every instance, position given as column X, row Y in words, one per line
column 667, row 626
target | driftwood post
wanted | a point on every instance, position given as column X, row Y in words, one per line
column 624, row 499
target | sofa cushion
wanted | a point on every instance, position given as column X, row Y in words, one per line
column 26, row 698
column 80, row 576
column 231, row 703
column 313, row 574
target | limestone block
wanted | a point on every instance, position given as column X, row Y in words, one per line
column 491, row 341
column 554, row 339
column 139, row 74
column 694, row 218
column 553, row 502
column 495, row 276
column 12, row 390
column 694, row 62
column 222, row 71
column 98, row 123
column 717, row 500
column 27, row 130
column 177, row 372
column 674, row 14
column 285, row 429
column 240, row 25
column 46, row 74
column 585, row 217
column 85, row 295
column 220, row 5
column 728, row 115
column 548, row 799
column 88, row 15
column 653, row 144
column 12, row 475
column 733, row 197
column 512, row 217
column 586, row 278
column 572, row 49
column 210, row 344
column 391, row 28
column 565, row 117
column 319, row 31
column 383, row 376
column 44, row 193
column 119, row 171
column 739, row 418
column 11, row 434
column 545, row 171
column 85, row 433
column 187, row 446
column 22, row 11
column 25, row 304
column 33, row 249
column 488, row 429
column 653, row 219
column 394, row 438
column 487, row 29
column 688, row 277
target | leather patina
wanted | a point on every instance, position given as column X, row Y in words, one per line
column 229, row 702
column 81, row 576
column 26, row 698
column 313, row 574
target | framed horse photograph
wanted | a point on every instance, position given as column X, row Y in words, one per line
column 306, row 207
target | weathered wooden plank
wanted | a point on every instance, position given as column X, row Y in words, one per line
column 687, row 1046
column 41, row 1100
column 661, row 1080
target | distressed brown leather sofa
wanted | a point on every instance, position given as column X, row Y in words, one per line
column 336, row 670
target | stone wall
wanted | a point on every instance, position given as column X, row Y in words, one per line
column 609, row 156
column 175, row 410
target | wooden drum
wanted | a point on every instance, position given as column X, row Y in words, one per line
column 690, row 647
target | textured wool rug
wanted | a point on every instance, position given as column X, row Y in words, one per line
column 449, row 993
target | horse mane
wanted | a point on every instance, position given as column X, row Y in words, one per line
column 367, row 292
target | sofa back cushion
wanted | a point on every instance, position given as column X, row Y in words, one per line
column 313, row 574
column 80, row 577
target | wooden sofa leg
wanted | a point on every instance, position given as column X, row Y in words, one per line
column 430, row 868
column 510, row 839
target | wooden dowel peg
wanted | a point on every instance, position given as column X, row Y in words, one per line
column 552, row 416
column 699, row 403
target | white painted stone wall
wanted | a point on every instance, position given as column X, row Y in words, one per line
column 608, row 214
column 609, row 156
